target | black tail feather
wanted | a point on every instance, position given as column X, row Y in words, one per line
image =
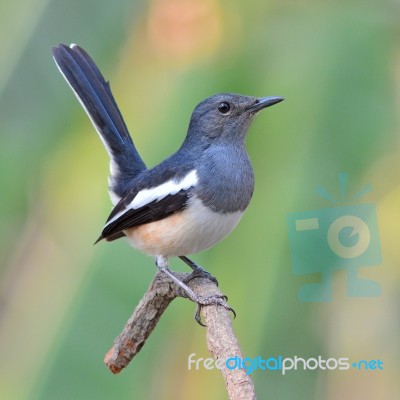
column 95, row 95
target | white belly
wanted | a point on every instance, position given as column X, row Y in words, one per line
column 192, row 230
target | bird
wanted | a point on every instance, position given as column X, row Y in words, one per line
column 190, row 201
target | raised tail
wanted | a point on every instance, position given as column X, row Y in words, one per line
column 94, row 93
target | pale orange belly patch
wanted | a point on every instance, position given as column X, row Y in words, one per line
column 160, row 237
column 187, row 232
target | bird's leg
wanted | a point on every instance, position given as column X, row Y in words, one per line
column 201, row 301
column 162, row 265
column 198, row 272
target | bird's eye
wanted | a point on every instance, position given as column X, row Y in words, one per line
column 224, row 107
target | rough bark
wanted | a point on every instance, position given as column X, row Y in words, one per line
column 221, row 340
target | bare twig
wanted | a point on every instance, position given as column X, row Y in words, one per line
column 221, row 339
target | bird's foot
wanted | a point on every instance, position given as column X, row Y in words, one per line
column 198, row 271
column 201, row 273
column 203, row 301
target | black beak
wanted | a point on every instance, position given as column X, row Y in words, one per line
column 264, row 102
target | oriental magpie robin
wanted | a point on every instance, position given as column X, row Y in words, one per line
column 191, row 200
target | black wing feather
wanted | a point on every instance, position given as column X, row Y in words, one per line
column 151, row 212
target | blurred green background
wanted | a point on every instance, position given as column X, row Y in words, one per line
column 62, row 301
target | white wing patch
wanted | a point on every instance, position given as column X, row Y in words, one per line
column 157, row 193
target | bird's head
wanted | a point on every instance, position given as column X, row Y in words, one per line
column 226, row 116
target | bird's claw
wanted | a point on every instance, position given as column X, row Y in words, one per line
column 211, row 300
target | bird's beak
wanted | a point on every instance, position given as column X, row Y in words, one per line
column 264, row 102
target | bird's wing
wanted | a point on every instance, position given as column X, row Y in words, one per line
column 94, row 93
column 153, row 203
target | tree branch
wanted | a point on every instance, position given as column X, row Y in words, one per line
column 221, row 339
